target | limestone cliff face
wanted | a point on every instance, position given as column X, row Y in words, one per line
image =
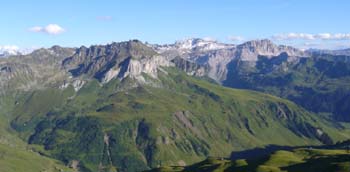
column 148, row 66
column 218, row 56
column 189, row 67
column 134, row 68
column 250, row 51
column 61, row 67
column 116, row 60
column 96, row 61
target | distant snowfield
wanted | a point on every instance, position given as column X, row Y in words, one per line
column 10, row 50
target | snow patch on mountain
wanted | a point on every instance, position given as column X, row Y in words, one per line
column 188, row 45
column 9, row 50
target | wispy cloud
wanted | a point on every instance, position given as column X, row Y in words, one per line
column 290, row 36
column 324, row 45
column 209, row 39
column 307, row 36
column 338, row 36
column 235, row 38
column 51, row 29
column 104, row 18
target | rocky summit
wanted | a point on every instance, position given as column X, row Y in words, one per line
column 131, row 106
column 175, row 86
column 61, row 67
column 217, row 56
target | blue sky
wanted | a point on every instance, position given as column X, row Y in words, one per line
column 302, row 23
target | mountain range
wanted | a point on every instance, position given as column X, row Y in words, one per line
column 132, row 106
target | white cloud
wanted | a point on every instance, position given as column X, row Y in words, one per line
column 307, row 36
column 337, row 36
column 323, row 36
column 36, row 29
column 323, row 45
column 235, row 38
column 52, row 29
column 209, row 39
column 290, row 36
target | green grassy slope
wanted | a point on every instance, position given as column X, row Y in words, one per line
column 297, row 160
column 178, row 120
column 17, row 160
column 15, row 155
column 7, row 135
column 319, row 84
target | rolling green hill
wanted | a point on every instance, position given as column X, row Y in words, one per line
column 175, row 120
column 296, row 160
column 14, row 160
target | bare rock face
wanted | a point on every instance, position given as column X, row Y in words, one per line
column 63, row 67
column 147, row 66
column 74, row 164
column 97, row 61
column 189, row 67
column 116, row 60
column 184, row 118
column 211, row 55
column 217, row 56
column 250, row 51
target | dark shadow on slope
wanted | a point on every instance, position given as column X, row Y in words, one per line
column 267, row 150
column 336, row 163
column 258, row 152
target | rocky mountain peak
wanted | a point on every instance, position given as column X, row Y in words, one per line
column 249, row 51
column 133, row 59
column 200, row 44
column 105, row 62
column 216, row 56
column 258, row 43
column 60, row 67
column 191, row 45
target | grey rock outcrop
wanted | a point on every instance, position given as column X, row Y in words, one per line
column 217, row 56
column 63, row 67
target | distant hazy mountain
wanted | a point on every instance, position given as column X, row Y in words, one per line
column 6, row 51
column 344, row 52
column 217, row 55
